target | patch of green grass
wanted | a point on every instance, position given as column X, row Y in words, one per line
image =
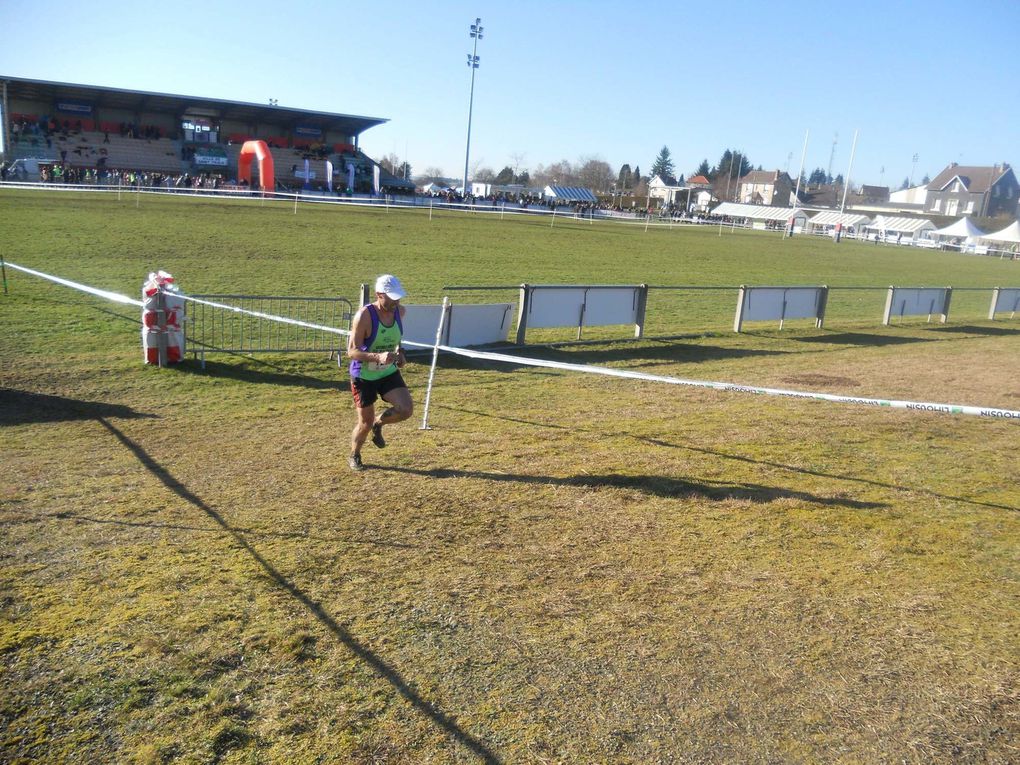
column 566, row 568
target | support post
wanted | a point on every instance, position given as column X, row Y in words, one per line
column 3, row 267
column 524, row 307
column 823, row 302
column 738, row 319
column 888, row 306
column 991, row 309
column 945, row 305
column 642, row 307
column 363, row 295
column 435, row 357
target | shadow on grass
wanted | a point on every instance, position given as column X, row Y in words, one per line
column 267, row 373
column 380, row 667
column 662, row 486
column 741, row 458
column 63, row 515
column 972, row 330
column 860, row 338
column 21, row 407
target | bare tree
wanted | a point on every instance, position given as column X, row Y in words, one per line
column 560, row 173
column 595, row 173
column 390, row 163
column 431, row 175
column 483, row 175
column 518, row 158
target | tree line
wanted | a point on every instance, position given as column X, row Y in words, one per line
column 591, row 172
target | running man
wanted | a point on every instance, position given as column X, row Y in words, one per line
column 376, row 360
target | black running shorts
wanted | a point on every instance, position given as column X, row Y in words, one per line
column 366, row 392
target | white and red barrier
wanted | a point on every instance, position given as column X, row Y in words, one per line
column 162, row 317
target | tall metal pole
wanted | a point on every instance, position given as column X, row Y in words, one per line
column 472, row 61
column 846, row 181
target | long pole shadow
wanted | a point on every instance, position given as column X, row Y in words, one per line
column 78, row 518
column 750, row 460
column 380, row 667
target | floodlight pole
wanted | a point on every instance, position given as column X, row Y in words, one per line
column 846, row 181
column 472, row 61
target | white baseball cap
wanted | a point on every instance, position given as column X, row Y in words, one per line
column 390, row 286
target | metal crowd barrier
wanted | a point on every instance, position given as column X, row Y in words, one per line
column 210, row 329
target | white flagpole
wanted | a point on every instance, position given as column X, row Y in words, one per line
column 435, row 357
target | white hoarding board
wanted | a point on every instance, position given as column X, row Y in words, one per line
column 609, row 307
column 421, row 323
column 917, row 301
column 562, row 306
column 1005, row 300
column 478, row 324
column 776, row 303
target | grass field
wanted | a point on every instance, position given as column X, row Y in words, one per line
column 565, row 569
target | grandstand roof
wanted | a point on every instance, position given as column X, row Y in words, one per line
column 570, row 193
column 139, row 100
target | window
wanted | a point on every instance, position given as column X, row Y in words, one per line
column 969, row 208
column 937, row 204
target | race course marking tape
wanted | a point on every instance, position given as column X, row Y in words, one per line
column 916, row 406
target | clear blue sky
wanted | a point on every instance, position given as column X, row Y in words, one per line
column 565, row 80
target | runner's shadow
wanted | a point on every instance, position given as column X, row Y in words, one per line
column 21, row 407
column 424, row 706
column 662, row 486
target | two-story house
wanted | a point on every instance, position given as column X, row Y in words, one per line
column 973, row 190
column 766, row 187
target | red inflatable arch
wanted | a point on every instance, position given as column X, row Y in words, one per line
column 257, row 150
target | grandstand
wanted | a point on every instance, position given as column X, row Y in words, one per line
column 104, row 132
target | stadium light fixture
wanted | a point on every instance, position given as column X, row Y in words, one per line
column 472, row 61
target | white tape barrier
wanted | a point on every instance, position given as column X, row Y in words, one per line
column 116, row 298
column 978, row 411
column 917, row 406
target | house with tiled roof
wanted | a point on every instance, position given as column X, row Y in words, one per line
column 982, row 191
column 699, row 182
column 765, row 187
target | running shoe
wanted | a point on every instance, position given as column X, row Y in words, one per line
column 377, row 438
column 355, row 463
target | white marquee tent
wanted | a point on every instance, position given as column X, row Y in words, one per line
column 911, row 228
column 962, row 229
column 762, row 212
column 829, row 219
column 1009, row 234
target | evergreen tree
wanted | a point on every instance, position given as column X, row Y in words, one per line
column 663, row 165
column 625, row 181
column 505, row 176
column 732, row 163
column 524, row 178
column 905, row 185
column 926, row 180
column 636, row 178
column 703, row 169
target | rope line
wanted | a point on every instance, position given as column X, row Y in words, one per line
column 916, row 406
